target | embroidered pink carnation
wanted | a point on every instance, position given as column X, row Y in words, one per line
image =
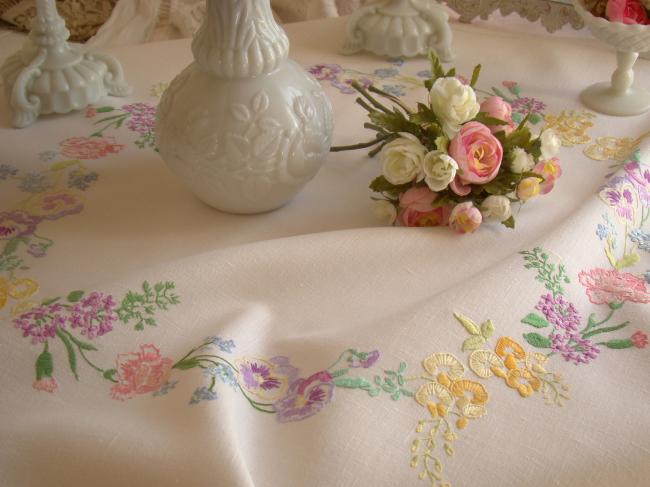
column 551, row 171
column 90, row 147
column 478, row 154
column 497, row 107
column 639, row 339
column 626, row 11
column 416, row 209
column 140, row 372
column 612, row 286
column 46, row 384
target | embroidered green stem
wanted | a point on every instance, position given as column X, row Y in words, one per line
column 74, row 345
column 547, row 273
column 115, row 120
column 592, row 324
column 606, row 329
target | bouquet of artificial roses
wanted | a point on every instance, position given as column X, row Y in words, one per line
column 624, row 11
column 454, row 161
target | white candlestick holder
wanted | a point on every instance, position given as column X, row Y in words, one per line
column 49, row 75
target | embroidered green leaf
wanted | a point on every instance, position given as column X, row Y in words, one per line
column 615, row 306
column 75, row 296
column 109, row 374
column 141, row 307
column 352, row 383
column 473, row 343
column 12, row 245
column 533, row 319
column 340, row 372
column 607, row 329
column 629, row 260
column 44, row 364
column 619, row 344
column 48, row 301
column 471, row 327
column 487, row 329
column 547, row 273
column 105, row 109
column 72, row 356
column 402, row 367
column 537, row 340
column 187, row 364
column 81, row 344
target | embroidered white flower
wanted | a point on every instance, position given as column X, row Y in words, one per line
column 385, row 211
column 453, row 103
column 402, row 159
column 521, row 161
column 497, row 207
column 439, row 170
column 551, row 144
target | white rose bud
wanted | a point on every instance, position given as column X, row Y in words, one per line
column 453, row 103
column 385, row 211
column 521, row 161
column 551, row 144
column 402, row 159
column 497, row 207
column 439, row 170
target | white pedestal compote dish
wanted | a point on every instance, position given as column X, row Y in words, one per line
column 619, row 97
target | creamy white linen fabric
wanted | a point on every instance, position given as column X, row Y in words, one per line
column 308, row 282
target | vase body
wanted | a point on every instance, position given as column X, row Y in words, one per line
column 244, row 126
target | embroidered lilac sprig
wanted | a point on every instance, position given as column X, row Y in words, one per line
column 94, row 315
column 559, row 312
column 574, row 348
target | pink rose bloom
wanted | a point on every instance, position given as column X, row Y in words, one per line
column 465, row 218
column 140, row 372
column 612, row 286
column 497, row 107
column 478, row 154
column 551, row 171
column 639, row 339
column 626, row 11
column 46, row 384
column 89, row 147
column 416, row 209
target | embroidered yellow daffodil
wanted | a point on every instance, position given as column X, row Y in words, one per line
column 611, row 148
column 16, row 289
column 571, row 126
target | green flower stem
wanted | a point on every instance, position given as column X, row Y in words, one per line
column 363, row 145
column 591, row 326
column 83, row 355
column 604, row 330
column 373, row 101
column 213, row 382
column 392, row 98
column 112, row 121
column 343, row 354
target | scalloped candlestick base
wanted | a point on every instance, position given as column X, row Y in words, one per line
column 619, row 97
column 400, row 28
column 48, row 75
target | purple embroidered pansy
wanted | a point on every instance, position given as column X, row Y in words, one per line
column 306, row 397
column 329, row 72
column 268, row 380
column 621, row 195
column 16, row 224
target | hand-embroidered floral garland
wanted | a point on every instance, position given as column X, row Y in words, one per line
column 138, row 117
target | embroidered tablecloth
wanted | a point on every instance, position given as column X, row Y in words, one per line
column 146, row 339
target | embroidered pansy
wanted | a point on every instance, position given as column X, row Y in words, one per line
column 16, row 224
column 55, row 204
column 306, row 397
column 267, row 380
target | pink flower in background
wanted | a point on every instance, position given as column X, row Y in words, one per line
column 91, row 111
column 305, row 397
column 16, row 223
column 89, row 147
column 626, row 11
column 509, row 84
column 140, row 372
column 46, row 384
column 612, row 286
column 551, row 171
column 477, row 152
column 639, row 339
column 497, row 107
column 465, row 218
column 416, row 209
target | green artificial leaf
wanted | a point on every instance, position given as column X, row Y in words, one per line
column 44, row 364
column 72, row 356
column 533, row 319
column 469, row 325
column 381, row 185
column 473, row 343
column 392, row 122
column 509, row 223
column 451, row 73
column 424, row 117
column 75, row 296
column 475, row 74
column 619, row 344
column 486, row 119
column 518, row 138
column 487, row 329
column 436, row 68
column 537, row 340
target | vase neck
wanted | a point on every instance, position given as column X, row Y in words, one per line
column 240, row 39
column 48, row 27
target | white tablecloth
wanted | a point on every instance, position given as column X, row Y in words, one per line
column 119, row 385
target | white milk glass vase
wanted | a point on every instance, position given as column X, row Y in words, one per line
column 244, row 126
